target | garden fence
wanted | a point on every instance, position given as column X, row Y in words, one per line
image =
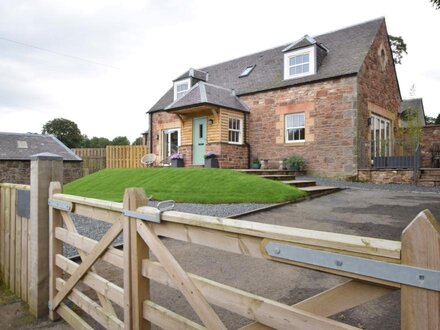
column 125, row 156
column 94, row 159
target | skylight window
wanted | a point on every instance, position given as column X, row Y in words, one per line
column 246, row 71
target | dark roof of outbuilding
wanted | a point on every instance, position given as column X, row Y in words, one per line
column 204, row 93
column 21, row 146
column 415, row 105
column 347, row 49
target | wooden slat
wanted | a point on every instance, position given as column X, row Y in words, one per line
column 55, row 248
column 95, row 282
column 105, row 303
column 140, row 288
column 73, row 319
column 12, row 241
column 374, row 248
column 83, row 243
column 2, row 231
column 420, row 308
column 338, row 299
column 167, row 319
column 18, row 256
column 15, row 186
column 265, row 311
column 98, row 213
column 99, row 314
column 192, row 294
column 24, row 258
column 7, row 234
column 99, row 249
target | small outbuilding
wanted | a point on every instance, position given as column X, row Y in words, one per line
column 16, row 150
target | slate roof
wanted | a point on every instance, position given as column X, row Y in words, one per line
column 347, row 49
column 413, row 104
column 21, row 146
column 204, row 93
column 194, row 73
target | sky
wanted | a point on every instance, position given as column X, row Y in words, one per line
column 104, row 63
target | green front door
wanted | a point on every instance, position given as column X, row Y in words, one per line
column 199, row 140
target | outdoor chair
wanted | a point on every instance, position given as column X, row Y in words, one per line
column 435, row 152
column 148, row 159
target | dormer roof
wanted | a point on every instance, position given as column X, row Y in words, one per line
column 305, row 41
column 347, row 49
column 203, row 93
column 194, row 73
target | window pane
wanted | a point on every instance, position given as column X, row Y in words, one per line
column 201, row 131
column 305, row 58
column 290, row 135
column 305, row 67
column 302, row 134
column 301, row 120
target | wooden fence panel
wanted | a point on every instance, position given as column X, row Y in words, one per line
column 14, row 250
column 125, row 156
column 94, row 159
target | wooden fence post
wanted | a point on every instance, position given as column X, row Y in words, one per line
column 420, row 308
column 136, row 287
column 45, row 167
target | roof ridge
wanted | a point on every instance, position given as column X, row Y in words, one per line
column 217, row 86
column 203, row 96
column 350, row 26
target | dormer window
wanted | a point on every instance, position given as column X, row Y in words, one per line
column 300, row 63
column 181, row 87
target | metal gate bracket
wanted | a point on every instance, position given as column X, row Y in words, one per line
column 61, row 205
column 407, row 275
column 155, row 217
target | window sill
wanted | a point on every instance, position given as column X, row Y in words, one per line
column 235, row 143
column 295, row 144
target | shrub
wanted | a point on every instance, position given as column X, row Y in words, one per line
column 294, row 162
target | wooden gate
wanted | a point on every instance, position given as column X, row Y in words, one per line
column 142, row 225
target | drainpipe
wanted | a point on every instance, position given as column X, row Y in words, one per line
column 151, row 132
column 245, row 142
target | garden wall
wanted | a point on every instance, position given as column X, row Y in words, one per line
column 431, row 135
column 386, row 176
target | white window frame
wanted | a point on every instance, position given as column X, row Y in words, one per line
column 381, row 136
column 312, row 62
column 168, row 131
column 286, row 128
column 181, row 82
column 240, row 130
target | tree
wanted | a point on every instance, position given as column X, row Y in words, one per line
column 138, row 142
column 398, row 47
column 429, row 120
column 437, row 120
column 65, row 130
column 436, row 4
column 120, row 141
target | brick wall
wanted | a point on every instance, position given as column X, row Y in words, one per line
column 230, row 155
column 386, row 176
column 431, row 135
column 330, row 112
column 18, row 171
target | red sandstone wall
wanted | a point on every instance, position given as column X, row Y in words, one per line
column 378, row 90
column 330, row 111
column 431, row 135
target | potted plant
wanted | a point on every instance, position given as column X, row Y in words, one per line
column 255, row 164
column 211, row 160
column 177, row 160
column 294, row 163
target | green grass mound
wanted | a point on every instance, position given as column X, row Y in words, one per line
column 192, row 185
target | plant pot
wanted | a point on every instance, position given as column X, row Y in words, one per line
column 211, row 163
column 177, row 163
column 255, row 166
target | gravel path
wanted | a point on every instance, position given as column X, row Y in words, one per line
column 369, row 186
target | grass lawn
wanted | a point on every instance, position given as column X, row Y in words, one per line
column 193, row 185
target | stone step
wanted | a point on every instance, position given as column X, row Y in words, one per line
column 430, row 177
column 268, row 172
column 320, row 190
column 300, row 183
column 279, row 177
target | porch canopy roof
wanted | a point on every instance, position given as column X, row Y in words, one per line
column 203, row 93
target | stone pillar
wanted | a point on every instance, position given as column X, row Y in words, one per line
column 45, row 167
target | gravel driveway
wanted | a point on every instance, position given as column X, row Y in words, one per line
column 365, row 212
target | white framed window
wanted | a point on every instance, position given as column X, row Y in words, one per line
column 295, row 128
column 299, row 63
column 380, row 136
column 235, row 130
column 181, row 87
column 170, row 142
